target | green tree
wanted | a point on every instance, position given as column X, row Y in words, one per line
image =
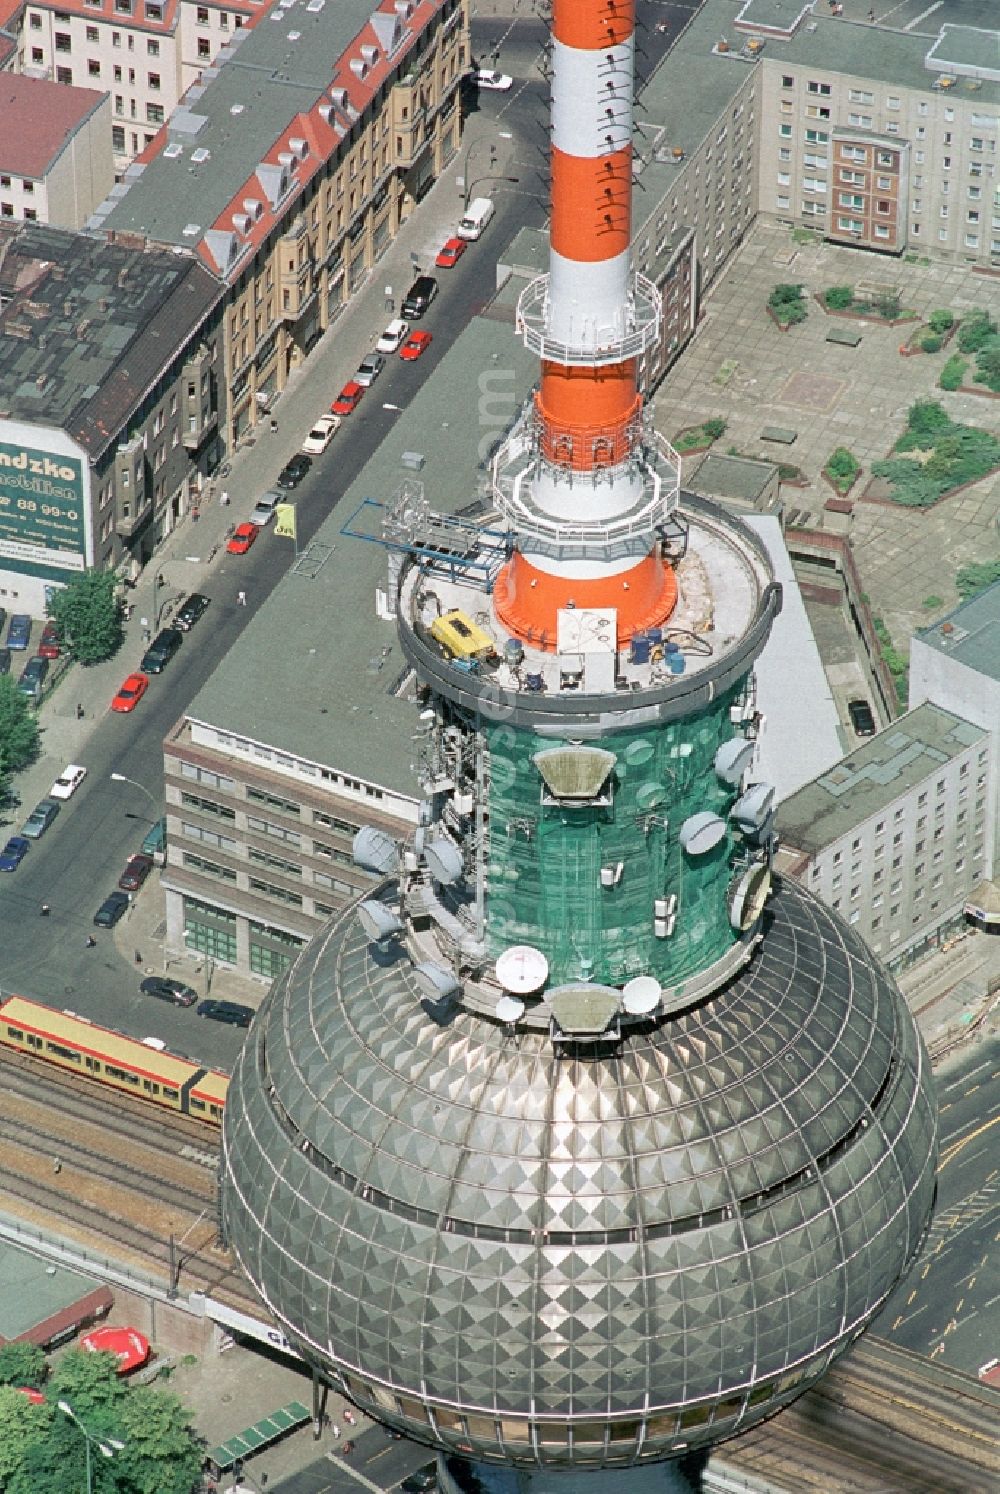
column 931, row 343
column 88, row 616
column 888, row 306
column 88, row 1381
column 22, row 1364
column 161, row 1454
column 988, row 364
column 976, row 577
column 18, row 729
column 953, row 372
column 940, row 321
column 974, row 331
column 838, row 297
column 21, row 1424
column 714, row 428
column 787, row 304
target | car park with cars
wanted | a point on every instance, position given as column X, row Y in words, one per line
column 416, row 344
column 130, row 692
column 232, row 1012
column 111, row 910
column 321, row 435
column 33, row 677
column 40, row 818
column 348, row 399
column 19, row 631
column 242, row 538
column 68, row 782
column 137, row 869
column 165, row 988
column 190, row 610
column 161, row 650
column 450, row 253
column 419, row 297
column 862, row 717
column 369, row 369
column 393, row 336
column 49, row 646
column 294, row 470
column 14, row 853
column 263, row 511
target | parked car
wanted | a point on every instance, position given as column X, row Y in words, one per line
column 369, row 369
column 68, row 782
column 393, row 336
column 40, row 818
column 130, row 692
column 162, row 649
column 348, row 399
column 19, row 632
column 477, row 215
column 189, row 611
column 489, row 78
column 415, row 344
column 263, row 510
column 137, row 869
column 419, row 296
column 48, row 645
column 294, row 471
column 227, row 1011
column 4, row 661
column 862, row 718
column 14, row 853
column 165, row 988
column 33, row 677
column 450, row 253
column 242, row 538
column 321, row 435
column 111, row 910
column 421, row 1480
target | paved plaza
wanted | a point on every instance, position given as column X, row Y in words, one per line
column 742, row 367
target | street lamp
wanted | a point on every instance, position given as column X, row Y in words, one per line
column 474, row 145
column 486, row 177
column 121, row 778
column 106, row 1446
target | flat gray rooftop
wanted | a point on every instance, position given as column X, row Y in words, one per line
column 322, row 664
column 970, row 634
column 277, row 70
column 873, row 776
column 32, row 1290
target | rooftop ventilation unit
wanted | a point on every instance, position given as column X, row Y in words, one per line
column 173, row 150
column 299, row 146
column 404, row 8
column 237, row 108
column 339, row 97
column 315, row 6
column 359, row 67
column 326, row 113
column 286, row 159
column 369, row 53
column 192, row 230
column 254, row 207
column 199, row 156
column 241, row 223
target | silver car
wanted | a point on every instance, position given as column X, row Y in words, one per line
column 369, row 369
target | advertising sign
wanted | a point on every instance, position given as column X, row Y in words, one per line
column 43, row 511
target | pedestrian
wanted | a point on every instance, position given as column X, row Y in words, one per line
column 241, row 599
column 334, row 1429
column 56, row 1165
column 274, row 426
column 146, row 635
column 349, row 1417
column 138, row 957
column 347, row 1448
column 871, row 15
column 91, row 941
column 45, row 910
column 224, row 498
column 79, row 712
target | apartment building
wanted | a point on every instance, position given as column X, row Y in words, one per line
column 143, row 54
column 55, row 151
column 896, row 836
column 289, row 168
column 113, row 402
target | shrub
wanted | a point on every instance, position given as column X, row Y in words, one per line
column 976, row 328
column 926, row 417
column 976, row 577
column 888, row 306
column 988, row 364
column 932, row 603
column 941, row 321
column 838, row 297
column 714, row 428
column 931, row 344
column 843, row 467
column 953, row 373
column 786, row 303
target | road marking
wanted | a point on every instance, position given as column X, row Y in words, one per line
column 971, row 1091
column 957, row 1146
column 911, row 1296
column 344, row 1464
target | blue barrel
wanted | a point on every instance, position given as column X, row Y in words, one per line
column 639, row 649
column 676, row 662
column 655, row 636
column 670, row 647
column 513, row 651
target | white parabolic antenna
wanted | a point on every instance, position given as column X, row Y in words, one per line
column 522, row 968
column 510, row 1008
column 641, row 995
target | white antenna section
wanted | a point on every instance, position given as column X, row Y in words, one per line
column 522, row 969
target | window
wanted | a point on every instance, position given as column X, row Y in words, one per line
column 883, row 206
column 859, row 96
column 202, row 15
column 881, row 231
column 892, row 102
column 91, row 33
column 63, row 43
column 818, row 137
column 864, row 121
column 194, row 801
column 783, row 179
column 64, row 75
column 154, row 114
column 93, row 68
column 152, row 48
column 782, row 201
column 204, row 47
column 976, row 143
column 850, row 200
column 154, row 81
column 817, row 111
column 884, row 183
column 972, row 241
column 784, row 154
column 851, row 225
column 821, row 88
column 885, row 158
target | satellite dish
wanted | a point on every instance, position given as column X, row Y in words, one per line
column 377, row 921
column 639, row 752
column 443, row 860
column 522, row 969
column 747, row 895
column 376, row 850
column 650, row 795
column 435, row 980
column 641, row 995
column 702, row 832
column 752, row 808
column 510, row 1008
column 733, row 759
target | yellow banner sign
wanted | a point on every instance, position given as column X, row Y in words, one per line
column 284, row 526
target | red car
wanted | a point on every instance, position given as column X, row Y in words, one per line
column 450, row 253
column 137, row 869
column 130, row 693
column 348, row 399
column 48, row 644
column 415, row 344
column 243, row 537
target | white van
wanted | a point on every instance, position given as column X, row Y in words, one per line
column 477, row 215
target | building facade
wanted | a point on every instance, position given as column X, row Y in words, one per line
column 55, row 152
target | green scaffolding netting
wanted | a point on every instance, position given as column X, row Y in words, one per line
column 581, row 881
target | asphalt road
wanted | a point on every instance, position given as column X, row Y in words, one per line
column 949, row 1305
column 377, row 1461
column 78, row 861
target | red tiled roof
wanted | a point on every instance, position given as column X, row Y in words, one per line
column 36, row 120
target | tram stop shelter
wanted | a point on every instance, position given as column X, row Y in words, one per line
column 261, row 1434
